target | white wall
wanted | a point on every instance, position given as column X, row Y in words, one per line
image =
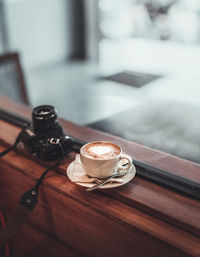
column 39, row 30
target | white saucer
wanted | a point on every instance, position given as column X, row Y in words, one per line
column 74, row 168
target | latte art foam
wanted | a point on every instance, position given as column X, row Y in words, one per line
column 101, row 150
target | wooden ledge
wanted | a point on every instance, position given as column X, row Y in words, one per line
column 141, row 205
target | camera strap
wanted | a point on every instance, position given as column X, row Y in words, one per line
column 27, row 201
column 13, row 146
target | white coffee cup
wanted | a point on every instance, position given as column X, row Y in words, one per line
column 101, row 159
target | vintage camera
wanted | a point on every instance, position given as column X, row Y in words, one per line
column 44, row 138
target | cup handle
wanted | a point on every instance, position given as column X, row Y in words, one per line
column 126, row 157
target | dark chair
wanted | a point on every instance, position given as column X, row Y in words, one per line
column 12, row 82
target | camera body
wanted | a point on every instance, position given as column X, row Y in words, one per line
column 44, row 137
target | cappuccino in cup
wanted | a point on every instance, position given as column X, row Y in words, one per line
column 102, row 159
column 101, row 150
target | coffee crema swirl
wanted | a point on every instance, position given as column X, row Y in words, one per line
column 101, row 150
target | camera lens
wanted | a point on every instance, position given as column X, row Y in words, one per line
column 45, row 120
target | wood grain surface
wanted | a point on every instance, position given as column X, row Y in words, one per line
column 137, row 219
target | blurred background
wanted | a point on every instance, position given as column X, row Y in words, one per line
column 126, row 67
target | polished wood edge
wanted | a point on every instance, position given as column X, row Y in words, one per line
column 117, row 194
column 115, row 210
column 136, row 194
